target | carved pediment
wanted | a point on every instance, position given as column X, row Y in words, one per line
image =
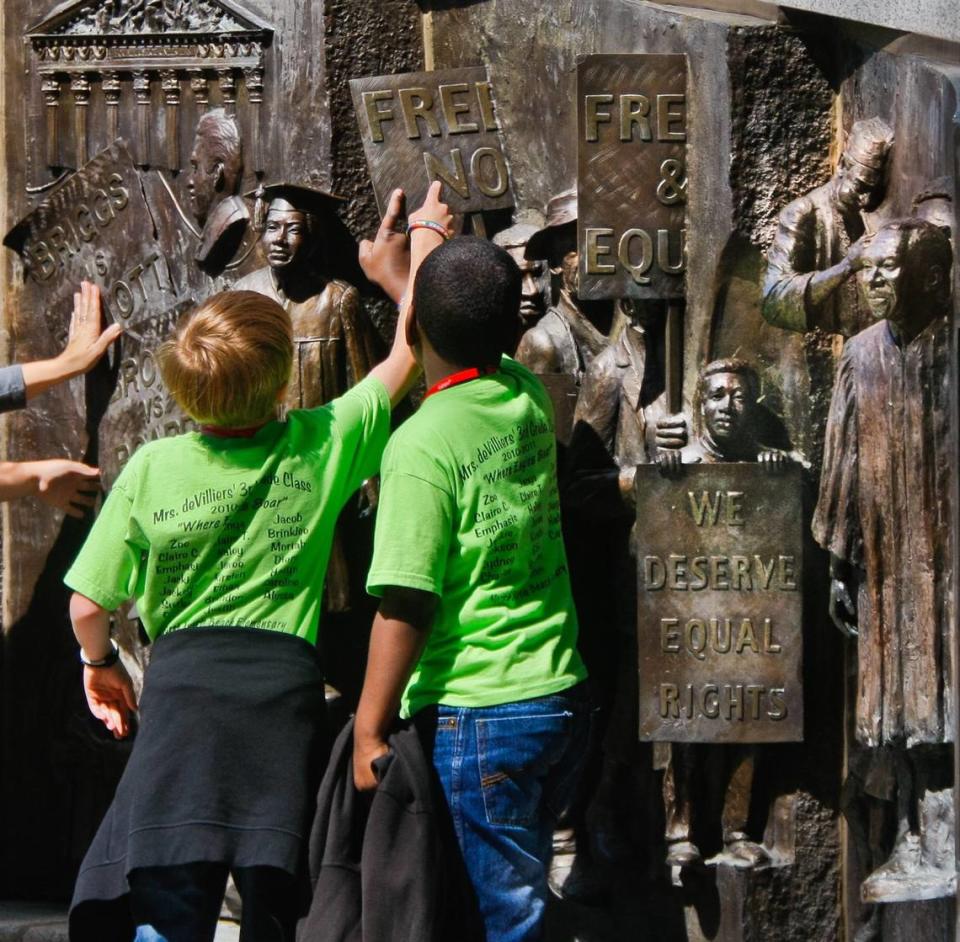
column 113, row 19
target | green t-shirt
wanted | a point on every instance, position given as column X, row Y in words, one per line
column 469, row 511
column 207, row 531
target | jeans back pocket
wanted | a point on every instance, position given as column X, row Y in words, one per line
column 515, row 756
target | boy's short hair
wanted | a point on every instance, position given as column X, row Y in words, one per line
column 466, row 300
column 225, row 362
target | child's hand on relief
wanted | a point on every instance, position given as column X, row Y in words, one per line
column 110, row 697
column 434, row 209
column 386, row 260
column 87, row 342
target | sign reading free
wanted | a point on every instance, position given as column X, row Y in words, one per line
column 426, row 126
column 632, row 181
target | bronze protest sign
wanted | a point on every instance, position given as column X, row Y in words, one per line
column 632, row 132
column 426, row 126
column 719, row 613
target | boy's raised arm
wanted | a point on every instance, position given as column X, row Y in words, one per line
column 384, row 261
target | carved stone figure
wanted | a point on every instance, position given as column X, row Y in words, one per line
column 813, row 256
column 568, row 336
column 216, row 173
column 532, row 304
column 334, row 344
column 884, row 515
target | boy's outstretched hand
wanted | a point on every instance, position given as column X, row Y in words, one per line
column 110, row 697
column 386, row 260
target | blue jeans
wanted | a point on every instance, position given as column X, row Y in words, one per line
column 508, row 773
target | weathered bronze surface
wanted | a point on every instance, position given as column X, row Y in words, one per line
column 720, row 563
column 814, row 254
column 214, row 181
column 572, row 332
column 147, row 53
column 882, row 513
column 632, row 178
column 427, row 126
column 334, row 341
column 96, row 225
column 563, row 391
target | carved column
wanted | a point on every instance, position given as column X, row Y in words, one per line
column 170, row 82
column 200, row 90
column 228, row 89
column 80, row 87
column 253, row 78
column 111, row 95
column 51, row 99
column 141, row 90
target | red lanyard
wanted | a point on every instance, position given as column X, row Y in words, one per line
column 455, row 379
column 222, row 431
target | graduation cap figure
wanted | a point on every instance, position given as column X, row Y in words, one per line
column 332, row 248
column 293, row 197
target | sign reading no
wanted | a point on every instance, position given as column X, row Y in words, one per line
column 426, row 126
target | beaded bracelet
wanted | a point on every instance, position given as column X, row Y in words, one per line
column 107, row 661
column 437, row 227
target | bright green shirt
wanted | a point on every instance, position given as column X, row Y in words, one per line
column 207, row 531
column 469, row 511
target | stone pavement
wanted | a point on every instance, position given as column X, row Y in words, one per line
column 47, row 922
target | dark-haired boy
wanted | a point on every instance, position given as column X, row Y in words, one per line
column 476, row 628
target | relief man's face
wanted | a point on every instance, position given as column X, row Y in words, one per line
column 725, row 405
column 204, row 179
column 284, row 235
column 531, row 296
column 860, row 188
column 881, row 275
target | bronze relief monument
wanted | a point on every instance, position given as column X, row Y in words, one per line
column 797, row 200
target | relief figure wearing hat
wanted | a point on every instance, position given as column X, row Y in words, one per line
column 572, row 332
column 334, row 343
column 810, row 264
column 216, row 174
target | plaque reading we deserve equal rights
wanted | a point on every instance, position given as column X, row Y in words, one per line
column 720, row 604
